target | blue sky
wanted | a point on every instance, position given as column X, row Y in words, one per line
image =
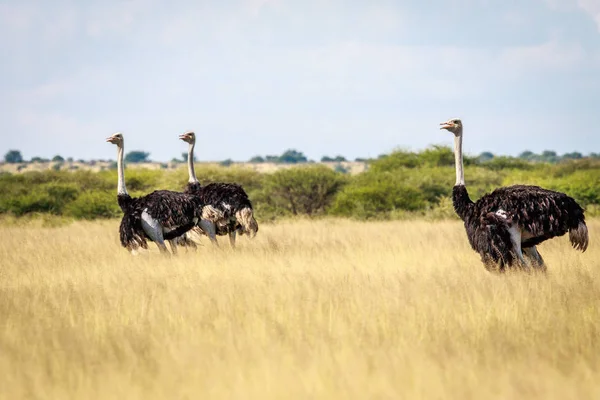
column 326, row 77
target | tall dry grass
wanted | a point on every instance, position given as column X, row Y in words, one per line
column 329, row 309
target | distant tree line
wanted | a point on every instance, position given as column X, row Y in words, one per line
column 290, row 156
column 15, row 157
column 296, row 157
column 293, row 156
column 397, row 185
column 547, row 156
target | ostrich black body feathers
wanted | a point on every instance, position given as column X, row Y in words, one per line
column 173, row 210
column 229, row 199
column 542, row 213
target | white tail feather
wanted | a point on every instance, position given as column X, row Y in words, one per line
column 579, row 237
column 211, row 214
column 246, row 218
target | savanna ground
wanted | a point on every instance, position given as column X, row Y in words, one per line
column 322, row 309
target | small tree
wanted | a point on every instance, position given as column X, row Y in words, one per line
column 292, row 157
column 13, row 156
column 58, row 158
column 527, row 155
column 226, row 163
column 257, row 160
column 486, row 156
column 549, row 156
column 305, row 190
column 333, row 159
column 137, row 156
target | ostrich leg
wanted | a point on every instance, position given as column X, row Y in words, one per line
column 210, row 229
column 232, row 239
column 536, row 259
column 515, row 238
column 173, row 244
column 153, row 230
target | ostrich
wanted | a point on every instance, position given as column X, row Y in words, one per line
column 228, row 199
column 159, row 216
column 505, row 226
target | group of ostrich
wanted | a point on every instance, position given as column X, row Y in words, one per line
column 504, row 226
column 214, row 209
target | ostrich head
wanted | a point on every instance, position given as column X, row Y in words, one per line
column 453, row 125
column 116, row 138
column 189, row 137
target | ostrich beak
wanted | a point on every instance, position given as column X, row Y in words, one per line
column 187, row 135
column 109, row 139
column 446, row 125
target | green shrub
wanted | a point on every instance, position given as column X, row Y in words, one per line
column 583, row 186
column 33, row 202
column 376, row 195
column 94, row 204
column 140, row 179
column 308, row 190
column 444, row 209
column 438, row 156
column 340, row 168
column 47, row 198
column 435, row 156
column 394, row 161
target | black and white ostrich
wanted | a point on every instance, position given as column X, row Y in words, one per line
column 158, row 216
column 505, row 226
column 229, row 200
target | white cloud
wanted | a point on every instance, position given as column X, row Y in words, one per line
column 592, row 7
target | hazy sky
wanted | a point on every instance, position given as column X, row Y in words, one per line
column 325, row 77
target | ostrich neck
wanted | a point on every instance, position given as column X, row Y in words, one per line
column 458, row 159
column 192, row 174
column 121, row 189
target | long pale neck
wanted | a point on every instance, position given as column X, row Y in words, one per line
column 121, row 189
column 458, row 160
column 192, row 174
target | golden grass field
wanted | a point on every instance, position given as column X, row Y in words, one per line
column 327, row 309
